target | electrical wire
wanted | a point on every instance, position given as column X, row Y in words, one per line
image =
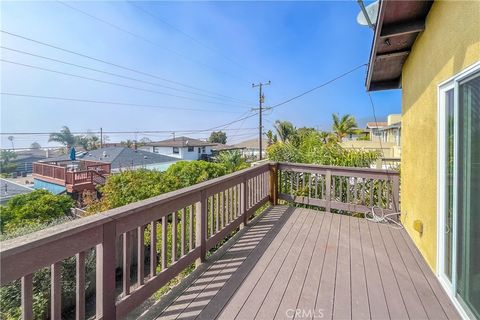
column 117, row 65
column 135, row 35
column 113, row 74
column 116, row 103
column 194, row 39
column 111, row 83
column 317, row 87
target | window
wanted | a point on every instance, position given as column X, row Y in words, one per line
column 203, row 149
column 176, row 150
column 190, row 149
column 459, row 185
column 155, row 149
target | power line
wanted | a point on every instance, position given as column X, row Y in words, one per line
column 146, row 132
column 111, row 83
column 318, row 87
column 148, row 40
column 189, row 36
column 118, row 66
column 261, row 98
column 111, row 74
column 111, row 102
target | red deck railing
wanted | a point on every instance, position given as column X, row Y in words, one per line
column 193, row 220
column 85, row 172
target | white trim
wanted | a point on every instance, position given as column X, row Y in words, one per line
column 451, row 83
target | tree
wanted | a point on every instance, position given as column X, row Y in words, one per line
column 6, row 165
column 285, row 130
column 64, row 137
column 127, row 143
column 312, row 149
column 232, row 160
column 34, row 208
column 272, row 138
column 344, row 126
column 11, row 141
column 218, row 137
column 35, row 145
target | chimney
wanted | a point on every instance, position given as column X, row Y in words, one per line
column 46, row 153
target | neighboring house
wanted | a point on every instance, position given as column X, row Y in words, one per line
column 122, row 158
column 250, row 148
column 374, row 129
column 432, row 51
column 25, row 158
column 92, row 167
column 361, row 134
column 219, row 147
column 383, row 137
column 392, row 132
column 184, row 148
column 9, row 189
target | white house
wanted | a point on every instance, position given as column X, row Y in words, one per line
column 184, row 148
column 250, row 148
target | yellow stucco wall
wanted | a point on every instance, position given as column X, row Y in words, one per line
column 449, row 44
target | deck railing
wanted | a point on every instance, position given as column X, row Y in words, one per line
column 175, row 230
column 86, row 172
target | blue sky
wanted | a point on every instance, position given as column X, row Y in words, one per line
column 221, row 47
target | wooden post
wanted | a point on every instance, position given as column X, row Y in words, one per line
column 396, row 193
column 56, row 291
column 274, row 184
column 80, row 286
column 27, row 297
column 201, row 227
column 105, row 274
column 328, row 187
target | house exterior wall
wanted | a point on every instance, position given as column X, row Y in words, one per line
column 183, row 154
column 449, row 44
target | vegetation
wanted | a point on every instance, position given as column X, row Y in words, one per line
column 6, row 165
column 218, row 137
column 24, row 214
column 271, row 137
column 344, row 126
column 307, row 145
column 285, row 130
column 232, row 160
column 35, row 145
column 66, row 138
column 135, row 185
column 32, row 209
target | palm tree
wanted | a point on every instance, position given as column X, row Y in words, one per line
column 11, row 140
column 285, row 130
column 231, row 159
column 344, row 126
column 64, row 137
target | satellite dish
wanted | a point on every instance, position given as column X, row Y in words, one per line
column 372, row 12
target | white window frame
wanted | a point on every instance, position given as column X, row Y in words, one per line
column 449, row 84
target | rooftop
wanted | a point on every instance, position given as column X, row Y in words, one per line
column 252, row 144
column 121, row 157
column 9, row 189
column 180, row 142
column 371, row 125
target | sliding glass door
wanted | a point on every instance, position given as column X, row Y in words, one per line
column 459, row 190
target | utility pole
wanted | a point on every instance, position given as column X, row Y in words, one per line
column 101, row 137
column 261, row 99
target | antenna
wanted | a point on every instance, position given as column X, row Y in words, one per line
column 368, row 15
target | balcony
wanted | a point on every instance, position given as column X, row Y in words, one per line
column 74, row 175
column 282, row 261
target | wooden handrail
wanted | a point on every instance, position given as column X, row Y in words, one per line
column 207, row 212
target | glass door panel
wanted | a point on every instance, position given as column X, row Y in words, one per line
column 449, row 141
column 468, row 211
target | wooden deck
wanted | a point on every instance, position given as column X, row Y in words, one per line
column 301, row 263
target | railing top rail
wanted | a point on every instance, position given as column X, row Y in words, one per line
column 51, row 234
column 338, row 168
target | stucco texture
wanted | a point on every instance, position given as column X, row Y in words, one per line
column 449, row 44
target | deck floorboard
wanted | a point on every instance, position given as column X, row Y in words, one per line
column 307, row 264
